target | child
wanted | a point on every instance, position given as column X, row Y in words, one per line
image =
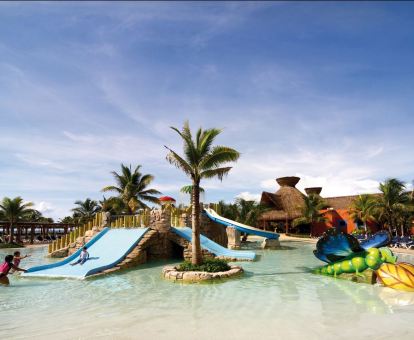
column 84, row 255
column 5, row 268
column 16, row 259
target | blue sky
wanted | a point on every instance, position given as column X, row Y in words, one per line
column 319, row 90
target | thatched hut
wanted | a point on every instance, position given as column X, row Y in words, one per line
column 284, row 205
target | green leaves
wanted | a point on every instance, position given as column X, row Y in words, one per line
column 86, row 209
column 132, row 189
column 313, row 204
column 200, row 159
column 13, row 209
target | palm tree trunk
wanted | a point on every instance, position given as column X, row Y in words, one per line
column 196, row 248
column 11, row 233
column 19, row 234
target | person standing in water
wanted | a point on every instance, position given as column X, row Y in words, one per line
column 5, row 268
column 83, row 257
column 17, row 258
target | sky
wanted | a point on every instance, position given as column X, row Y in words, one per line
column 320, row 90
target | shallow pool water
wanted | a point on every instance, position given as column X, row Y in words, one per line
column 276, row 299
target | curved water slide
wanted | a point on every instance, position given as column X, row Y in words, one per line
column 214, row 247
column 239, row 226
column 106, row 250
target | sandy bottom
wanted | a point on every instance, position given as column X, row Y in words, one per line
column 277, row 298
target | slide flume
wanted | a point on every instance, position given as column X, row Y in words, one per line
column 239, row 226
column 214, row 247
column 106, row 250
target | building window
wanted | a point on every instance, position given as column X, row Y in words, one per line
column 342, row 224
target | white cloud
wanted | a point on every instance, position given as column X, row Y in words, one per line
column 44, row 207
column 248, row 196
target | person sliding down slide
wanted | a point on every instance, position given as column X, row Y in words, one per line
column 83, row 257
column 5, row 268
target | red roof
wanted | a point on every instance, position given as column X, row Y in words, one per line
column 166, row 199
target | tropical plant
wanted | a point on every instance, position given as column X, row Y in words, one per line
column 249, row 211
column 209, row 265
column 393, row 204
column 311, row 211
column 363, row 209
column 132, row 188
column 228, row 210
column 36, row 216
column 14, row 210
column 67, row 219
column 188, row 189
column 107, row 204
column 85, row 210
column 200, row 160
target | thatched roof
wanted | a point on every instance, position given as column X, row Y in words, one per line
column 314, row 190
column 342, row 202
column 286, row 203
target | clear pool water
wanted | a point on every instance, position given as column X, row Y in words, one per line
column 277, row 299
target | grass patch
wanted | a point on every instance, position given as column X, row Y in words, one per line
column 10, row 245
column 208, row 265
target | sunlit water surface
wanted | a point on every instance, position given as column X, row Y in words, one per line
column 276, row 299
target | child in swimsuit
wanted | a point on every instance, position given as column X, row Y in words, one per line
column 16, row 259
column 5, row 268
column 84, row 255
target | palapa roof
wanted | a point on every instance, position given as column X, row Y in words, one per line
column 340, row 202
column 286, row 203
column 343, row 202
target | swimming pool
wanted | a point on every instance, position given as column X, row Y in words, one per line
column 276, row 299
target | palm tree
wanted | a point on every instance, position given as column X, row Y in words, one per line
column 393, row 202
column 14, row 210
column 311, row 212
column 249, row 211
column 86, row 210
column 131, row 187
column 106, row 204
column 230, row 211
column 188, row 189
column 363, row 209
column 200, row 160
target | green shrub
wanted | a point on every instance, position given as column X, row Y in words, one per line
column 208, row 265
column 10, row 245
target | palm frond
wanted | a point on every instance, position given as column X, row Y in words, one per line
column 176, row 160
column 218, row 172
column 218, row 156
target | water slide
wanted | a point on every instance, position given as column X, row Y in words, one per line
column 239, row 226
column 106, row 250
column 214, row 247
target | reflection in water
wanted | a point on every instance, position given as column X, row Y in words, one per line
column 395, row 298
column 275, row 295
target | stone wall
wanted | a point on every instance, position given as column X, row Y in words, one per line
column 213, row 230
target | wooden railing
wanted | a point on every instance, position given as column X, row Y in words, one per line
column 123, row 221
column 71, row 237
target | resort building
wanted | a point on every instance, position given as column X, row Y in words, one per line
column 287, row 203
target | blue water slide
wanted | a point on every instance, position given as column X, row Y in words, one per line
column 106, row 250
column 214, row 247
column 239, row 226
